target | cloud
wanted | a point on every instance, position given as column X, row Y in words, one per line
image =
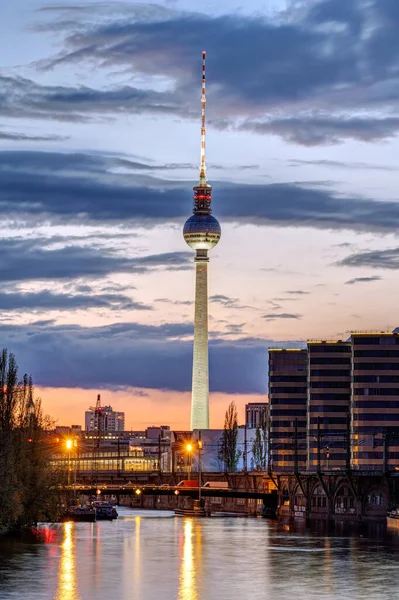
column 324, row 129
column 83, row 188
column 362, row 280
column 337, row 164
column 175, row 302
column 30, row 259
column 226, row 301
column 374, row 259
column 339, row 58
column 141, row 356
column 24, row 98
column 47, row 300
column 23, row 137
column 297, row 292
column 274, row 316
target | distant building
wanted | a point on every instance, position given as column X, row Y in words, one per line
column 111, row 420
column 211, row 443
column 163, row 431
column 253, row 412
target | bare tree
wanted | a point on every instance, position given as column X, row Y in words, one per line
column 27, row 481
column 259, row 446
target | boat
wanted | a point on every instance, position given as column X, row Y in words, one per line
column 80, row 514
column 393, row 518
column 198, row 510
column 105, row 511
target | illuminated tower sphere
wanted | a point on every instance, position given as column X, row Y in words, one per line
column 201, row 232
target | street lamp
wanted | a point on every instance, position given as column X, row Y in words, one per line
column 189, row 449
column 199, row 468
column 68, row 445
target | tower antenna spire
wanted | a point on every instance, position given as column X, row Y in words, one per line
column 202, row 177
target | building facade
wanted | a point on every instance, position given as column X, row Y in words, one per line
column 254, row 413
column 350, row 419
column 375, row 401
column 288, row 370
column 107, row 421
column 329, row 394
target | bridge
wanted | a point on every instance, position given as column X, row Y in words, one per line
column 337, row 495
column 164, row 490
column 249, row 493
column 320, row 495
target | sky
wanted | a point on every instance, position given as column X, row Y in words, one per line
column 99, row 151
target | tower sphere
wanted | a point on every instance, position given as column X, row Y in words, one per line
column 202, row 232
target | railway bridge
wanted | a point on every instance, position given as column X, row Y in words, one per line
column 249, row 493
column 339, row 495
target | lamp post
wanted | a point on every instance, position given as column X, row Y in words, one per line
column 199, row 468
column 327, row 457
column 69, row 445
column 189, row 449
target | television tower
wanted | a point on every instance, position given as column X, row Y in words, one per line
column 201, row 232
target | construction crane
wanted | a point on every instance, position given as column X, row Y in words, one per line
column 98, row 431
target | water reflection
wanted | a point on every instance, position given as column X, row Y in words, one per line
column 147, row 557
column 67, row 588
column 188, row 573
column 137, row 553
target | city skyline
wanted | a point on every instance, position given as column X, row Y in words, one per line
column 98, row 144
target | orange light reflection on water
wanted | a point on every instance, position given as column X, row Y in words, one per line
column 67, row 588
column 188, row 573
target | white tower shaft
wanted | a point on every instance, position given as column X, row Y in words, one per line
column 200, row 383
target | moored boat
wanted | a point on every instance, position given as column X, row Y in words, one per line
column 198, row 510
column 80, row 514
column 105, row 511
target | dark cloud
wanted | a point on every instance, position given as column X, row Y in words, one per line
column 82, row 188
column 326, row 129
column 274, row 316
column 362, row 280
column 297, row 292
column 374, row 259
column 175, row 302
column 156, row 47
column 143, row 356
column 228, row 302
column 23, row 137
column 337, row 164
column 325, row 56
column 24, row 98
column 47, row 300
column 30, row 259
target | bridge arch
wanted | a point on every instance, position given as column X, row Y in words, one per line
column 344, row 501
column 298, row 501
column 375, row 501
column 318, row 499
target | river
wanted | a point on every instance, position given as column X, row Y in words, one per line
column 156, row 556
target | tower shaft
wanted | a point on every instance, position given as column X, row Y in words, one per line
column 201, row 232
column 200, row 382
